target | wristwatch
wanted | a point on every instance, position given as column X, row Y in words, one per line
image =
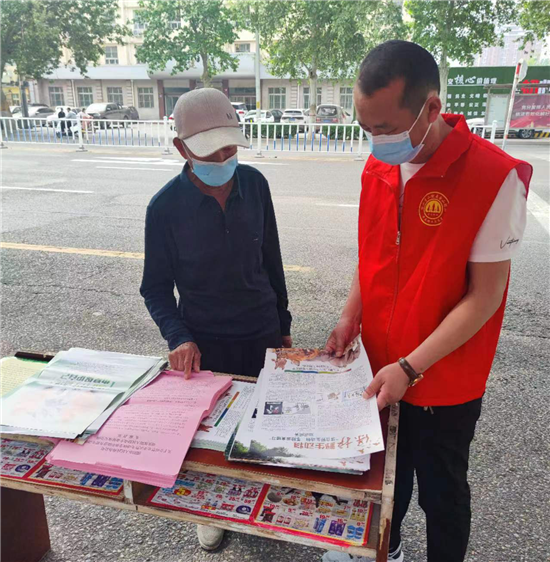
column 414, row 377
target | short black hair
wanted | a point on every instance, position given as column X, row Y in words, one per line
column 400, row 59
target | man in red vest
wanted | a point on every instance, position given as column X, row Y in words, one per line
column 442, row 213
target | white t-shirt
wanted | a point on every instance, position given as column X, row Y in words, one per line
column 501, row 233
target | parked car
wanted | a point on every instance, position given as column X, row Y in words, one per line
column 51, row 119
column 109, row 112
column 298, row 116
column 37, row 110
column 133, row 113
column 265, row 117
column 476, row 125
column 241, row 109
column 277, row 114
column 332, row 114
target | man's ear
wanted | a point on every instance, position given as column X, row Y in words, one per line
column 435, row 107
column 178, row 143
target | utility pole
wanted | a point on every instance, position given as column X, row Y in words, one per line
column 258, row 95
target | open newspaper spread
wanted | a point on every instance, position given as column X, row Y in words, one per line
column 310, row 412
column 75, row 393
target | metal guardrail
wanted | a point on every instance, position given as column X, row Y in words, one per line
column 480, row 130
column 264, row 137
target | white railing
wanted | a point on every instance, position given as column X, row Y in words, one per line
column 480, row 130
column 305, row 138
column 86, row 132
column 273, row 137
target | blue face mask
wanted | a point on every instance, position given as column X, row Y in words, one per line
column 215, row 174
column 397, row 149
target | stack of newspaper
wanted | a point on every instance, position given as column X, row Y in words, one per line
column 75, row 393
column 308, row 411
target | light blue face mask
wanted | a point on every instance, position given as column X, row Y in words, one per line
column 397, row 149
column 215, row 174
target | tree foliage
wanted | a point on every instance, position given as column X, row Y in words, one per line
column 206, row 27
column 328, row 39
column 458, row 29
column 535, row 19
column 35, row 32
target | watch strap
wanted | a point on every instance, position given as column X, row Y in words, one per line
column 414, row 377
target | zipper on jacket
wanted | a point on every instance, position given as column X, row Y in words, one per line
column 397, row 263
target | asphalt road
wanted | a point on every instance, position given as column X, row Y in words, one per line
column 90, row 207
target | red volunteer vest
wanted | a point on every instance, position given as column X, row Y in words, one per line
column 411, row 277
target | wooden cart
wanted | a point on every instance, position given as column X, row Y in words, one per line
column 25, row 535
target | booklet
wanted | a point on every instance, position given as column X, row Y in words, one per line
column 310, row 410
column 75, row 393
column 26, row 461
column 326, row 518
column 147, row 439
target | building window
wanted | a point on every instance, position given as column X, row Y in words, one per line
column 242, row 47
column 277, row 98
column 114, row 95
column 146, row 97
column 56, row 96
column 111, row 55
column 319, row 96
column 346, row 98
column 85, row 96
column 176, row 22
column 139, row 26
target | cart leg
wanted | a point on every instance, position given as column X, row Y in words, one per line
column 384, row 540
column 25, row 535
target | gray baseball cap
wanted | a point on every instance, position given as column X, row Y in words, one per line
column 206, row 121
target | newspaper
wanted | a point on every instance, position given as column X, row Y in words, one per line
column 311, row 405
column 216, row 430
column 246, row 448
column 75, row 393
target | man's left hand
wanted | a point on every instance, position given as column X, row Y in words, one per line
column 390, row 383
column 287, row 341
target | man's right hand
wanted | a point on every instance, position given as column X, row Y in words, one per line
column 343, row 334
column 186, row 358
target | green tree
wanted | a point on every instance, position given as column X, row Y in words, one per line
column 328, row 39
column 535, row 19
column 186, row 32
column 458, row 29
column 35, row 32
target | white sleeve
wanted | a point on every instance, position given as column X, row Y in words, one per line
column 501, row 233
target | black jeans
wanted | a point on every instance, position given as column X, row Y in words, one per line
column 236, row 357
column 435, row 443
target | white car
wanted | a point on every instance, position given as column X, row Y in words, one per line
column 265, row 117
column 295, row 116
column 240, row 109
column 51, row 120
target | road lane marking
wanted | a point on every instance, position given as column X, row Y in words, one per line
column 46, row 189
column 115, row 161
column 350, row 205
column 128, row 168
column 539, row 208
column 104, row 253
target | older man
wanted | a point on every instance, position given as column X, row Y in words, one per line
column 211, row 232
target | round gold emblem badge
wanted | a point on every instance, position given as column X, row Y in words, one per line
column 432, row 208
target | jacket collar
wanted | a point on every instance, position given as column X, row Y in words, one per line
column 450, row 150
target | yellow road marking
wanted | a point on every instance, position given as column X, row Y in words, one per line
column 103, row 253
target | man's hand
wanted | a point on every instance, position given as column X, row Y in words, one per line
column 390, row 383
column 343, row 334
column 186, row 358
column 287, row 341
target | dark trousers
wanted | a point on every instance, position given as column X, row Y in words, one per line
column 236, row 357
column 435, row 443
